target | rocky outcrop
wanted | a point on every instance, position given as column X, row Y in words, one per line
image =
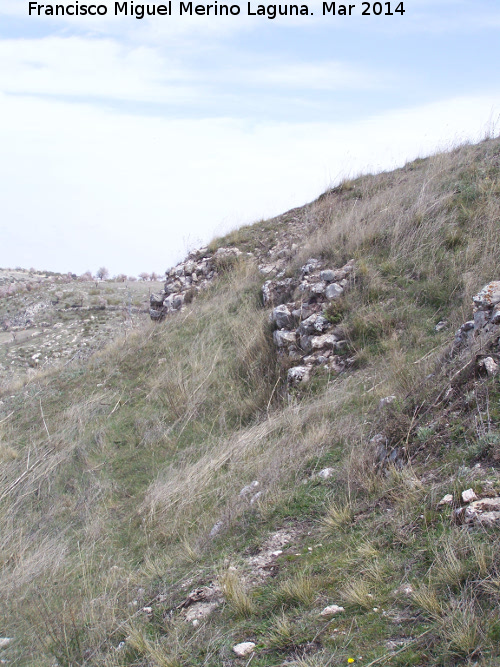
column 486, row 318
column 186, row 279
column 479, row 338
column 304, row 335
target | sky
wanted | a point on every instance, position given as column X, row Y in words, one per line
column 126, row 142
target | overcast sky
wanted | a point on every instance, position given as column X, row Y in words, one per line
column 127, row 142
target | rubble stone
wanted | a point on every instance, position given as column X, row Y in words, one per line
column 334, row 291
column 244, row 649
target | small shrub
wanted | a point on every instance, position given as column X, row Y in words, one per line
column 336, row 310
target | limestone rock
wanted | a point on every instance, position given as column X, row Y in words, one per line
column 299, row 375
column 333, row 291
column 314, row 324
column 385, row 401
column 5, row 641
column 468, row 496
column 495, row 316
column 480, row 319
column 227, row 252
column 305, row 343
column 304, row 311
column 256, row 497
column 326, row 473
column 404, row 589
column 489, row 296
column 199, row 611
column 328, row 275
column 489, row 365
column 156, row 300
column 248, row 489
column 485, row 512
column 284, row 338
column 275, row 292
column 446, row 500
column 282, row 317
column 244, row 649
column 311, row 266
column 156, row 315
column 322, row 342
column 331, row 610
column 318, row 288
column 217, row 527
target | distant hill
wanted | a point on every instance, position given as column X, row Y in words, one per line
column 48, row 318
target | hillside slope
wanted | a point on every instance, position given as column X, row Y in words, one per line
column 177, row 495
column 50, row 319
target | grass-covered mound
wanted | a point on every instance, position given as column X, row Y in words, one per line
column 121, row 478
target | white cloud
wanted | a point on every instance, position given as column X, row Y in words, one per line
column 313, row 76
column 103, row 69
column 81, row 186
column 77, row 66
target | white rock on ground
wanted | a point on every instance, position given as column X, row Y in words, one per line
column 325, row 341
column 331, row 610
column 282, row 317
column 334, row 291
column 328, row 275
column 468, row 495
column 385, row 401
column 5, row 641
column 200, row 610
column 283, row 338
column 488, row 296
column 326, row 473
column 490, row 366
column 298, row 375
column 243, row 649
column 248, row 489
column 445, row 500
column 485, row 512
column 216, row 529
column 256, row 497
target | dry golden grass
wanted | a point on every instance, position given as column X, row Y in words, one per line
column 427, row 599
column 301, row 589
column 462, row 629
column 338, row 515
column 359, row 592
column 236, row 593
column 156, row 653
column 281, row 634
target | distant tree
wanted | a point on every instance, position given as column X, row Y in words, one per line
column 154, row 276
column 102, row 273
column 132, row 279
column 86, row 277
column 144, row 276
column 121, row 278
